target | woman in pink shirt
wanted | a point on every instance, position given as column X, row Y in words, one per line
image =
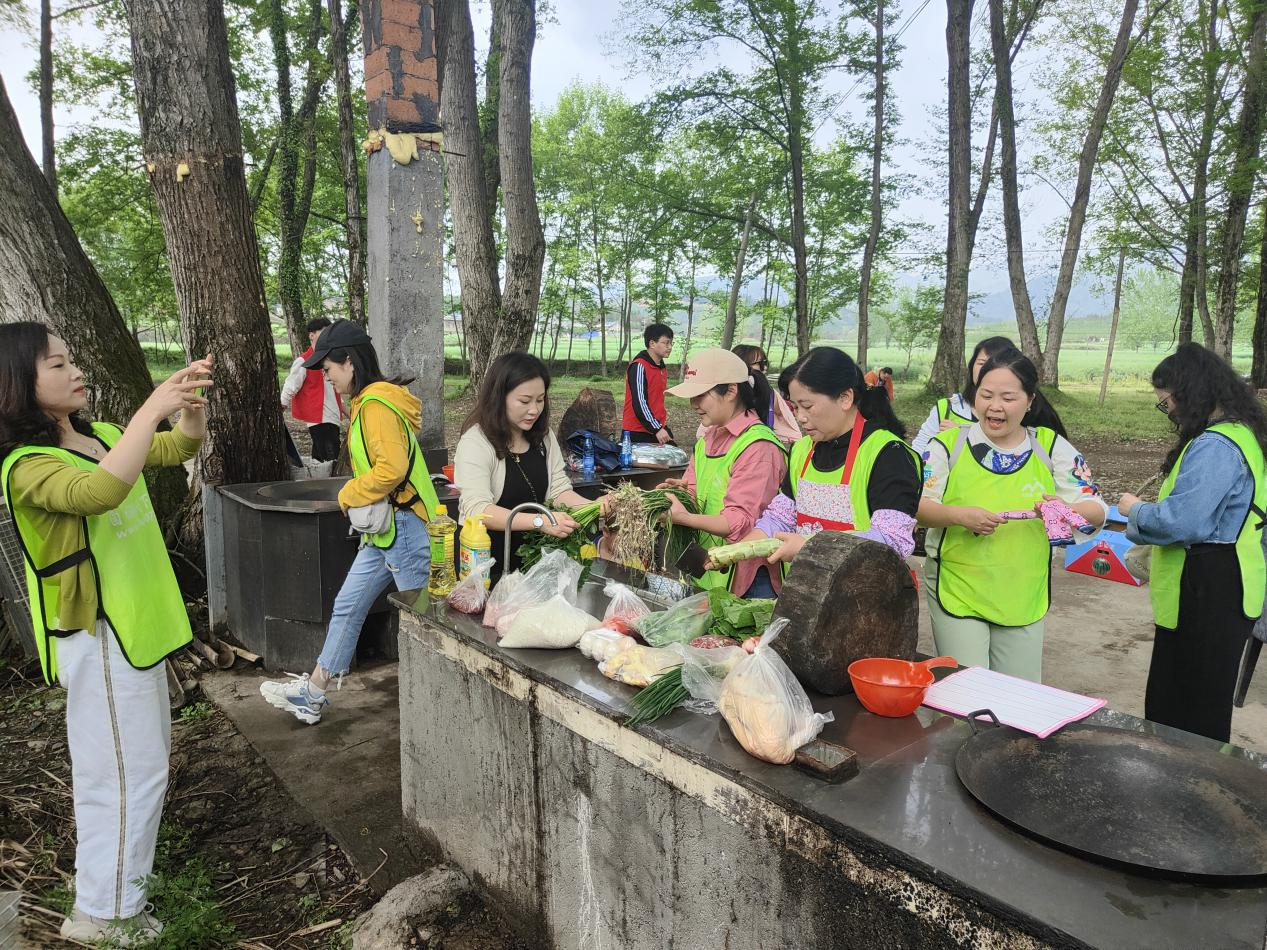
column 736, row 469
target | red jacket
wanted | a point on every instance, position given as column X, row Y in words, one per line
column 645, row 383
column 309, row 401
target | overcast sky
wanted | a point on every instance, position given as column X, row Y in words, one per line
column 575, row 47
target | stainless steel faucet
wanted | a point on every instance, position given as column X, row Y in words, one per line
column 510, row 520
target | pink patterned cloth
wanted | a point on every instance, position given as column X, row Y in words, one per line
column 1059, row 520
column 894, row 528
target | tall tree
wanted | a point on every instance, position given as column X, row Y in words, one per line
column 1258, row 371
column 736, row 284
column 1003, row 29
column 525, row 242
column 349, row 166
column 46, row 93
column 192, row 138
column 1082, row 195
column 467, row 187
column 1247, row 143
column 45, row 275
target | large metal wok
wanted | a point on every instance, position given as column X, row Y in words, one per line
column 1125, row 798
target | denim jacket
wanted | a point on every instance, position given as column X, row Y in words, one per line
column 1209, row 501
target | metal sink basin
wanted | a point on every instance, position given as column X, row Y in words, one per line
column 316, row 489
column 592, row 599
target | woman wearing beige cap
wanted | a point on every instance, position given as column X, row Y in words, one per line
column 736, row 469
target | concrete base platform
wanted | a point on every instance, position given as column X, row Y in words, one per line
column 345, row 770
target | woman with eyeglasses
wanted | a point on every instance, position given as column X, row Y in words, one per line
column 777, row 414
column 1208, row 575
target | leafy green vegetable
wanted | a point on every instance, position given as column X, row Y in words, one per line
column 659, row 699
column 737, row 617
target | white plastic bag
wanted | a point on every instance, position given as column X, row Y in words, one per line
column 765, row 705
column 703, row 671
column 624, row 608
column 470, row 596
column 639, row 665
column 555, row 575
column 554, row 625
column 603, row 643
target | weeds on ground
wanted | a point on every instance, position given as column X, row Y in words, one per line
column 195, row 711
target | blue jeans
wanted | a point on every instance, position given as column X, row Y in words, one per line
column 761, row 586
column 407, row 564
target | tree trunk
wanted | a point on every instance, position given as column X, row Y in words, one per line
column 800, row 266
column 1082, row 196
column 192, row 143
column 877, row 207
column 1001, row 42
column 489, row 111
column 690, row 322
column 525, row 243
column 354, row 223
column 46, row 94
column 1240, row 182
column 947, row 370
column 732, row 305
column 1258, row 371
column 1199, row 218
column 1188, row 279
column 472, row 234
column 45, row 275
column 1117, row 313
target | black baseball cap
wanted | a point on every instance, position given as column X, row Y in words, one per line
column 340, row 334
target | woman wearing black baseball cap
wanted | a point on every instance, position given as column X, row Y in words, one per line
column 390, row 498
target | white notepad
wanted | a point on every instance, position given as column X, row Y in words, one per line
column 1030, row 707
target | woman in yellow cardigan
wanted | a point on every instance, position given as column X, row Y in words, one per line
column 105, row 606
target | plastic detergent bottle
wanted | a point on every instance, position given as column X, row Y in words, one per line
column 441, row 529
column 475, row 546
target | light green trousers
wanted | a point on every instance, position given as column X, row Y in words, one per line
column 1016, row 651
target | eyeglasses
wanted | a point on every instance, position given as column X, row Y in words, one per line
column 1164, row 405
column 762, row 365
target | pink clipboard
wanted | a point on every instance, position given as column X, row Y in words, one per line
column 1030, row 707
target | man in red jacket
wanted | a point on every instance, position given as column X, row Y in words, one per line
column 645, row 382
column 311, row 399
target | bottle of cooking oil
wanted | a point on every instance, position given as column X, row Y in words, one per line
column 441, row 529
column 474, row 547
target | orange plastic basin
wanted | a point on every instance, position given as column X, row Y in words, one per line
column 448, row 472
column 895, row 688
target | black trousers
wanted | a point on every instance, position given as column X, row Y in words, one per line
column 1193, row 671
column 325, row 441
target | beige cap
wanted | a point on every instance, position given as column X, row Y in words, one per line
column 708, row 368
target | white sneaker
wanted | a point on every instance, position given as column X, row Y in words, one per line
column 133, row 931
column 295, row 697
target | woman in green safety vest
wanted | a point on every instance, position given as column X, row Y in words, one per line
column 1207, row 576
column 105, row 606
column 987, row 582
column 956, row 409
column 851, row 471
column 736, row 467
column 390, row 473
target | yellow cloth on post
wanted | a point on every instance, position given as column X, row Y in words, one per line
column 56, row 496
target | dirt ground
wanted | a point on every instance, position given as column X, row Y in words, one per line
column 240, row 863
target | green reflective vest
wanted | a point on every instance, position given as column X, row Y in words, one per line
column 418, row 477
column 944, row 412
column 1002, row 578
column 712, row 476
column 137, row 591
column 859, row 478
column 1168, row 559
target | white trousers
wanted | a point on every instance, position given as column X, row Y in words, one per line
column 118, row 725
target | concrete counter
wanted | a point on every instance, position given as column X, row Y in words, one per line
column 516, row 767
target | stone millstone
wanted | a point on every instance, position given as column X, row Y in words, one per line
column 845, row 598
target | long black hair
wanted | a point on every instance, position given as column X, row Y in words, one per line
column 507, row 373
column 365, row 368
column 22, row 421
column 1200, row 384
column 1041, row 412
column 991, row 346
column 831, row 372
column 750, row 354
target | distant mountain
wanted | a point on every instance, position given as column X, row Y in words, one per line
column 1084, row 301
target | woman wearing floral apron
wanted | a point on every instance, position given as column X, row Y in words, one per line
column 851, row 471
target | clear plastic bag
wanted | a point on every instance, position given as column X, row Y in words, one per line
column 765, row 705
column 555, row 575
column 554, row 625
column 703, row 670
column 470, row 596
column 624, row 608
column 681, row 623
column 604, row 643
